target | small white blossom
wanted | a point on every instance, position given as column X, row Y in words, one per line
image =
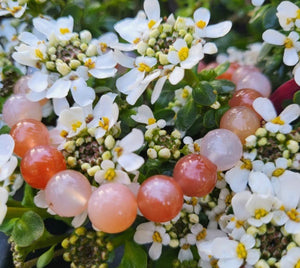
column 3, row 200
column 287, row 13
column 291, row 259
column 13, row 8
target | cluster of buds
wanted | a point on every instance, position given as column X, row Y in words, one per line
column 185, row 264
column 18, row 258
column 87, row 249
column 269, row 146
column 65, row 55
column 163, row 145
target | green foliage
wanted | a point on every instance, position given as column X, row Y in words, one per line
column 204, row 94
column 28, row 196
column 186, row 116
column 46, row 258
column 27, row 229
column 134, row 256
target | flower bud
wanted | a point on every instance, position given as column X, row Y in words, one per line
column 150, row 52
column 85, row 36
column 91, row 50
column 152, row 153
column 74, row 64
column 109, row 142
column 188, row 38
column 62, row 67
column 83, row 46
column 163, row 59
column 151, row 42
column 293, row 146
column 142, row 47
column 92, row 171
column 164, row 153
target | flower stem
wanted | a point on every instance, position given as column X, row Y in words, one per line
column 16, row 212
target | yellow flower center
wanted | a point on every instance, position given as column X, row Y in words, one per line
column 278, row 172
column 214, row 263
column 259, row 213
column 277, row 120
column 298, row 14
column 76, row 125
column 185, row 246
column 14, row 9
column 39, row 53
column 239, row 224
column 143, row 67
column 151, row 121
column 201, row 24
column 247, row 164
column 90, row 64
column 63, row 133
column 241, row 251
column 151, row 23
column 64, row 30
column 228, row 199
column 136, row 40
column 104, row 123
column 14, row 38
column 196, row 147
column 194, row 201
column 297, row 265
column 288, row 43
column 294, row 215
column 185, row 93
column 201, row 235
column 156, row 237
column 110, row 174
column 183, row 53
column 103, row 47
column 119, row 151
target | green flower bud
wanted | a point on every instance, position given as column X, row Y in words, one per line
column 92, row 171
column 188, row 38
column 50, row 65
column 74, row 64
column 62, row 68
column 151, row 42
column 152, row 153
column 293, row 146
column 163, row 59
column 83, row 47
column 85, row 36
column 142, row 47
column 109, row 142
column 164, row 153
column 106, row 155
column 91, row 50
column 51, row 50
column 154, row 33
column 261, row 132
column 150, row 52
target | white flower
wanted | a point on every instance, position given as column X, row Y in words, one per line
column 135, row 82
column 185, row 56
column 291, row 259
column 3, row 200
column 145, row 115
column 232, row 254
column 182, row 94
column 110, row 174
column 123, row 150
column 201, row 19
column 290, row 42
column 257, row 3
column 191, row 204
column 8, row 162
column 149, row 232
column 193, row 145
column 287, row 13
column 105, row 114
column 275, row 123
column 13, row 8
column 185, row 253
column 71, row 122
column 60, row 29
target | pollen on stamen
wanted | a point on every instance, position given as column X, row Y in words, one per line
column 183, row 53
column 39, row 53
column 201, row 24
column 277, row 120
column 143, row 67
column 90, row 64
column 151, row 23
column 151, row 121
column 64, row 30
column 288, row 43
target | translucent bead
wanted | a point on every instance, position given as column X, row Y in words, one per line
column 21, row 86
column 222, row 147
column 67, row 193
column 244, row 97
column 18, row 107
column 112, row 208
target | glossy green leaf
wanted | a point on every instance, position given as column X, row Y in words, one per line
column 207, row 75
column 209, row 119
column 203, row 94
column 222, row 68
column 222, row 85
column 134, row 256
column 296, row 97
column 8, row 225
column 45, row 258
column 166, row 114
column 28, row 196
column 186, row 116
column 28, row 229
column 270, row 19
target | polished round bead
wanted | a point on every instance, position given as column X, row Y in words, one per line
column 229, row 72
column 243, row 71
column 256, row 81
column 241, row 120
column 18, row 107
column 40, row 164
column 27, row 134
column 112, row 208
column 196, row 175
column 222, row 147
column 244, row 97
column 67, row 193
column 160, row 198
column 21, row 86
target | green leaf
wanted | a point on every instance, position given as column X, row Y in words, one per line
column 8, row 225
column 186, row 116
column 134, row 256
column 28, row 229
column 28, row 196
column 167, row 257
column 222, row 85
column 166, row 114
column 5, row 130
column 45, row 258
column 209, row 119
column 270, row 19
column 296, row 97
column 203, row 94
column 207, row 75
column 222, row 68
column 219, row 113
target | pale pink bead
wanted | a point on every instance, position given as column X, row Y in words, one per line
column 21, row 86
column 67, row 193
column 18, row 107
column 256, row 81
column 222, row 147
column 112, row 208
column 243, row 71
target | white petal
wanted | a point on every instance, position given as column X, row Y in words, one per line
column 59, row 89
column 40, row 199
column 106, row 164
column 218, row 30
column 176, row 76
column 290, row 56
column 238, row 202
column 179, row 43
column 155, row 250
column 8, row 168
column 7, row 145
column 28, row 38
column 158, row 88
column 36, row 96
column 248, row 241
column 3, row 195
column 123, row 59
column 210, row 48
column 265, row 108
column 143, row 236
column 131, row 162
column 292, row 227
column 79, row 219
column 260, row 183
column 136, row 93
column 59, row 105
column 82, row 94
column 195, row 55
column 173, row 57
column 297, row 75
column 122, row 177
column 103, row 73
column 272, row 127
column 237, row 178
column 252, row 256
column 106, row 61
column 290, row 113
column 143, row 114
column 202, row 14
column 273, row 37
column 3, row 210
column 185, row 255
column 38, row 82
column 152, row 9
column 257, row 2
column 288, row 7
column 128, row 80
column 132, row 141
column 224, row 248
